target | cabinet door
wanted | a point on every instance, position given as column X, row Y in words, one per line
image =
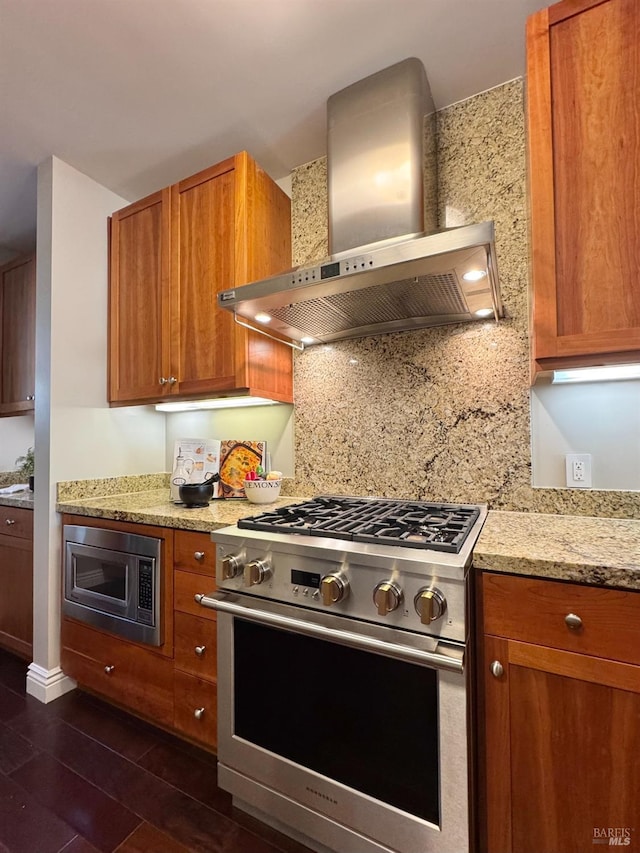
column 561, row 739
column 203, row 258
column 583, row 92
column 230, row 225
column 139, row 366
column 17, row 336
column 16, row 595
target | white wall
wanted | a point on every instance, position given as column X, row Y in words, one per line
column 600, row 418
column 273, row 424
column 77, row 435
column 16, row 435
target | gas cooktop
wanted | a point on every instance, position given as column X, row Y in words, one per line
column 413, row 524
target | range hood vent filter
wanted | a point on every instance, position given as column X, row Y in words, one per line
column 429, row 300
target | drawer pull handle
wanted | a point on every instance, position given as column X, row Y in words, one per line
column 199, row 555
column 198, row 713
column 200, row 650
column 10, row 521
column 198, row 597
column 497, row 670
column 574, row 622
column 109, row 669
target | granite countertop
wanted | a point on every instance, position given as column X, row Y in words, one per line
column 154, row 507
column 596, row 551
column 24, row 499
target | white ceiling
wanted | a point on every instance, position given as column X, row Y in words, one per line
column 140, row 93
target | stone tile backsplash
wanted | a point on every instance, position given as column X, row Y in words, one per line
column 436, row 414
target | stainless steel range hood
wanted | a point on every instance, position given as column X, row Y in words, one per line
column 385, row 273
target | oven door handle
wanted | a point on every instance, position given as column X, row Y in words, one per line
column 434, row 660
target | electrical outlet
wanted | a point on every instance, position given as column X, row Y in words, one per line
column 578, row 470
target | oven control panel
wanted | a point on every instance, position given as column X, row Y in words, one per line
column 413, row 597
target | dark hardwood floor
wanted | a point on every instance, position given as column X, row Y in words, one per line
column 79, row 776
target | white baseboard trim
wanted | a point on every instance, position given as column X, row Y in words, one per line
column 48, row 684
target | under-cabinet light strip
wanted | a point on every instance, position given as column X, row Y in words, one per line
column 597, row 374
column 220, row 403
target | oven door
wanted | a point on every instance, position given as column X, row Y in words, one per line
column 357, row 739
column 101, row 579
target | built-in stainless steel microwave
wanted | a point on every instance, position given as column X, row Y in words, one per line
column 112, row 581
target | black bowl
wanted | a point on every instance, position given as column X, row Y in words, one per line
column 196, row 494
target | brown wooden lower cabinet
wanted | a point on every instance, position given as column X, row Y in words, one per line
column 16, row 580
column 186, row 586
column 195, row 684
column 174, row 685
column 131, row 675
column 559, row 728
column 195, row 646
column 196, row 708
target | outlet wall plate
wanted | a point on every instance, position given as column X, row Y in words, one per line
column 578, row 470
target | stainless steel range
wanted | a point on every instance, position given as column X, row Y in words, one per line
column 342, row 672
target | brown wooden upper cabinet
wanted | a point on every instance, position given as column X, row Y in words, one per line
column 170, row 255
column 17, row 336
column 583, row 96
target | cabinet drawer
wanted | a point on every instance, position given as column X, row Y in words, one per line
column 537, row 611
column 196, row 708
column 15, row 521
column 133, row 677
column 195, row 552
column 195, row 646
column 185, row 587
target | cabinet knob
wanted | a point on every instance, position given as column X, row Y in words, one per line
column 200, row 650
column 31, row 397
column 572, row 621
column 172, row 380
column 199, row 555
column 10, row 521
column 162, row 380
column 198, row 713
column 109, row 669
column 497, row 670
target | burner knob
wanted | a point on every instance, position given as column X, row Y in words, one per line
column 255, row 572
column 430, row 605
column 387, row 596
column 334, row 588
column 231, row 566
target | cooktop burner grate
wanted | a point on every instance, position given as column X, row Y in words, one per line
column 412, row 524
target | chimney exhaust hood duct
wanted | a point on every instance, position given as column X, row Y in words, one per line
column 385, row 273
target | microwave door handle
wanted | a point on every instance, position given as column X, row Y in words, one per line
column 217, row 601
